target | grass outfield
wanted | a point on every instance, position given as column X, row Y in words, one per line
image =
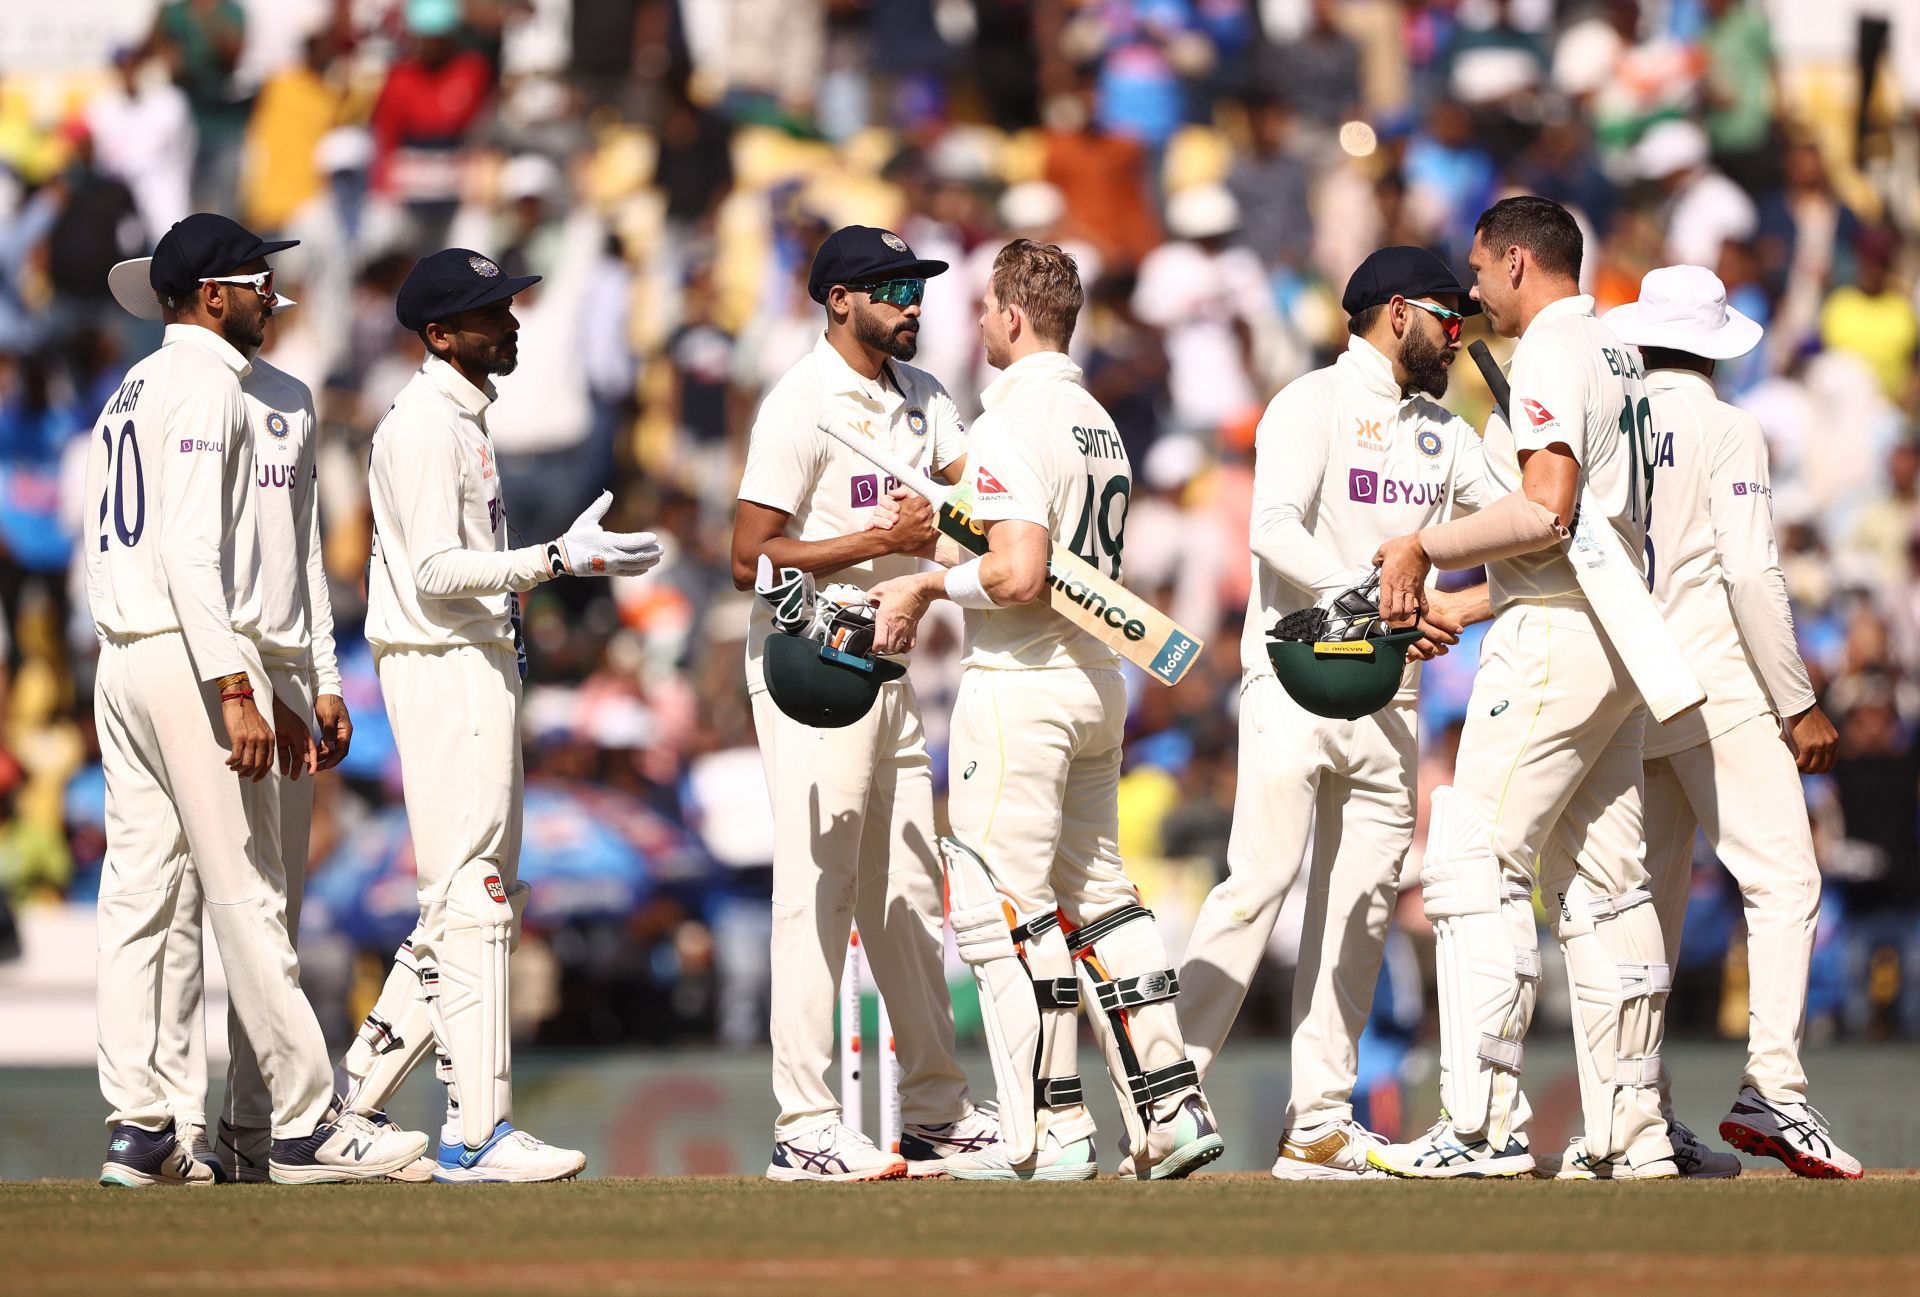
column 1226, row 1234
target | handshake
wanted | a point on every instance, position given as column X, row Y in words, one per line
column 588, row 549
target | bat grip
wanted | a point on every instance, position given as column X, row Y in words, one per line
column 1490, row 373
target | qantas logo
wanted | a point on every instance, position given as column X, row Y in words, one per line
column 985, row 483
column 1537, row 414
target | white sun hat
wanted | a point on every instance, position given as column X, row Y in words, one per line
column 1672, row 146
column 1684, row 308
column 1202, row 212
column 133, row 289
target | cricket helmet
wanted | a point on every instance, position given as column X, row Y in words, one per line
column 1339, row 659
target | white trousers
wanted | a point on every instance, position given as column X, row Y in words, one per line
column 173, row 808
column 181, row 1058
column 1742, row 788
column 854, row 840
column 1351, row 785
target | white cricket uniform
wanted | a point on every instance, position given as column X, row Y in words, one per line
column 173, row 576
column 296, row 647
column 852, row 807
column 441, row 617
column 1548, row 774
column 1725, row 766
column 1343, row 463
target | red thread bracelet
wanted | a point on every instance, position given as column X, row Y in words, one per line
column 237, row 694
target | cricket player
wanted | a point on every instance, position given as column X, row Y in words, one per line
column 1549, row 762
column 1034, row 765
column 853, row 806
column 443, row 620
column 1729, row 767
column 177, row 596
column 1345, row 459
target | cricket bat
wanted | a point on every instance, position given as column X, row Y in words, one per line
column 1616, row 592
column 1097, row 604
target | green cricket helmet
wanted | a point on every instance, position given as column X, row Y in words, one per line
column 1341, row 660
column 822, row 685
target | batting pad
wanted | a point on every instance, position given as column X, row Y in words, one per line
column 1487, row 961
column 1618, row 975
column 1129, row 987
column 1058, row 1093
column 396, row 1035
column 1009, row 1009
column 471, row 1009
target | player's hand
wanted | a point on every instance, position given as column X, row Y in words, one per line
column 336, row 730
column 1403, row 568
column 1441, row 625
column 249, row 739
column 899, row 605
column 915, row 528
column 588, row 549
column 293, row 741
column 1815, row 743
column 886, row 513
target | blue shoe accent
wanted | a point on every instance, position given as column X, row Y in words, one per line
column 303, row 1151
column 460, row 1157
column 142, row 1152
column 915, row 1148
column 780, row 1158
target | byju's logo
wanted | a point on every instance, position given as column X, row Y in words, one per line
column 1363, row 485
column 868, row 488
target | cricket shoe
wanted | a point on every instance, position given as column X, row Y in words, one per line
column 244, row 1152
column 928, row 1148
column 351, row 1148
column 138, row 1158
column 1577, row 1165
column 1441, row 1154
column 1794, row 1132
column 1331, row 1151
column 1695, row 1160
column 1177, row 1146
column 1075, row 1159
column 833, row 1153
column 510, row 1156
column 418, row 1171
column 194, row 1137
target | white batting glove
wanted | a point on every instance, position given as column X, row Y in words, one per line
column 588, row 549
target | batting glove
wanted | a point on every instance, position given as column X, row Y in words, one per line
column 588, row 549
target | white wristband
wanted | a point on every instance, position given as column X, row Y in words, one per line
column 964, row 588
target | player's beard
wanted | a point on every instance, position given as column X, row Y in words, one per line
column 1425, row 364
column 901, row 341
column 490, row 358
column 245, row 332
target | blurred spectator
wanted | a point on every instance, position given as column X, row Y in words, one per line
column 1319, row 71
column 296, row 109
column 432, row 96
column 1739, row 88
column 1104, row 178
column 143, row 136
column 201, row 41
column 1269, row 182
column 699, row 355
column 98, row 225
column 1873, row 318
column 1703, row 208
column 1885, row 529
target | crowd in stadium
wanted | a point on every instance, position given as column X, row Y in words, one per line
column 1217, row 168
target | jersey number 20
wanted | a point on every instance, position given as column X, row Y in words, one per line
column 128, row 452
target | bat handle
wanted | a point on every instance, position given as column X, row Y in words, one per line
column 895, row 467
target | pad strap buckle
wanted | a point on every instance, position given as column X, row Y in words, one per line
column 1039, row 925
column 1081, row 938
column 1146, row 1087
column 1130, row 992
column 1612, row 907
column 1056, row 992
column 1501, row 1052
column 1526, row 963
column 1644, row 979
column 1057, row 1091
column 1637, row 1072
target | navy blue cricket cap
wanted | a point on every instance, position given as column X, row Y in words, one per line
column 443, row 284
column 201, row 246
column 1403, row 271
column 861, row 254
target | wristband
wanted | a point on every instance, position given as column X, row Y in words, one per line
column 964, row 587
column 235, row 695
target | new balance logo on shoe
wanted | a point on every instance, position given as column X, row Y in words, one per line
column 357, row 1149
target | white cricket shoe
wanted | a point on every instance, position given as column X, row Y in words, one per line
column 1333, row 1151
column 193, row 1138
column 1794, row 1132
column 1073, row 1160
column 833, row 1153
column 1441, row 1154
column 1578, row 1166
column 351, row 1148
column 511, row 1156
column 927, row 1148
column 139, row 1158
column 1177, row 1146
column 1695, row 1160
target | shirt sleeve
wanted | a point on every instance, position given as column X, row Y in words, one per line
column 947, row 429
column 325, row 667
column 425, row 466
column 782, row 459
column 1548, row 403
column 1010, row 484
column 1467, row 490
column 1739, row 500
column 1289, row 463
column 212, row 416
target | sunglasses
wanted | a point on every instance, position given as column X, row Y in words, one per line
column 895, row 292
column 1451, row 321
column 261, row 283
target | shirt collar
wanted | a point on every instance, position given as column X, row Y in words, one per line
column 1670, row 380
column 1369, row 366
column 1578, row 304
column 452, row 384
column 1037, row 367
column 838, row 378
column 198, row 335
